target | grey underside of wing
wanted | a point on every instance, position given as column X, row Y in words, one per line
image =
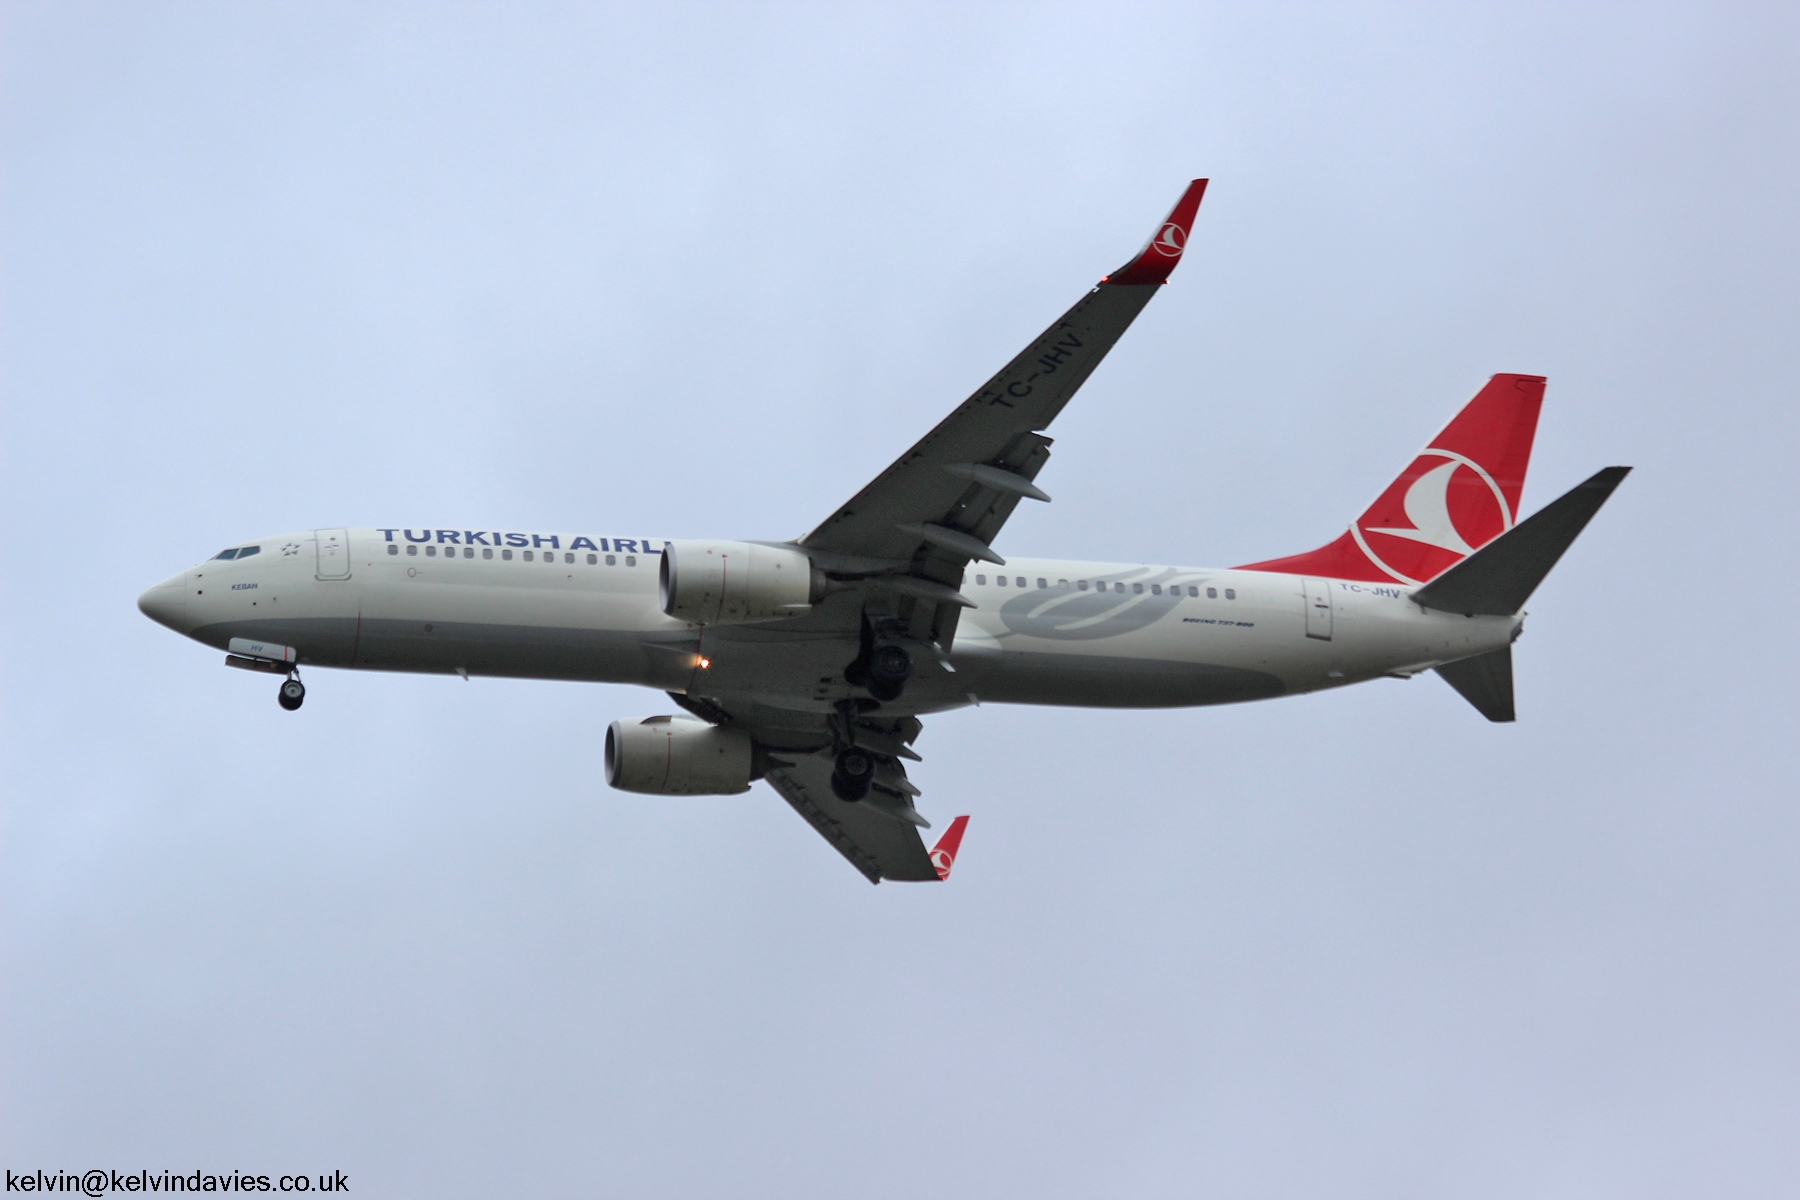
column 877, row 845
column 997, row 425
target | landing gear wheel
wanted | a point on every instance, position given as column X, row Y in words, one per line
column 291, row 695
column 889, row 669
column 854, row 772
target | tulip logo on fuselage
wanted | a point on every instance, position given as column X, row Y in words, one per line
column 1117, row 605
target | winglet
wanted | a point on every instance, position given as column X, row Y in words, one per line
column 943, row 855
column 1160, row 254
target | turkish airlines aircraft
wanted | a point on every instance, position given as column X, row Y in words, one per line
column 809, row 662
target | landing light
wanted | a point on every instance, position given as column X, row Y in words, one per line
column 705, row 663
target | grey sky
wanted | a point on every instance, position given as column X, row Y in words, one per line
column 704, row 270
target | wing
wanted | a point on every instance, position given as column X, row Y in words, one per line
column 874, row 834
column 943, row 501
column 896, row 554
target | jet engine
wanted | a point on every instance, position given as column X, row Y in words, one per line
column 678, row 756
column 728, row 583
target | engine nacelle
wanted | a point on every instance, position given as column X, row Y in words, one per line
column 729, row 583
column 678, row 756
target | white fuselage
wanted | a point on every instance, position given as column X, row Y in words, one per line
column 1071, row 633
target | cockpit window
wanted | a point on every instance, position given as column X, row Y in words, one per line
column 231, row 553
column 238, row 552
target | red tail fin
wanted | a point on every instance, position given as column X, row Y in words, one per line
column 943, row 855
column 1460, row 493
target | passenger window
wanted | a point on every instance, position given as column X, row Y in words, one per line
column 1000, row 580
column 506, row 555
column 393, row 549
column 1043, row 583
column 527, row 555
column 1230, row 593
column 487, row 554
column 1081, row 584
column 631, row 560
column 1212, row 593
column 568, row 558
column 1119, row 587
column 247, row 551
column 468, row 552
column 611, row 561
column 1020, row 580
column 592, row 559
column 431, row 552
column 1156, row 589
column 227, row 555
column 1063, row 584
column 981, row 579
column 413, row 550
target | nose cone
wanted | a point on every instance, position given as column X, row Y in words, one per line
column 166, row 603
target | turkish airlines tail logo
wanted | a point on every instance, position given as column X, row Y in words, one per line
column 1458, row 494
column 1440, row 509
column 943, row 855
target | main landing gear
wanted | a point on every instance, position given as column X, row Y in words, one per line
column 890, row 666
column 292, row 693
column 883, row 669
column 854, row 772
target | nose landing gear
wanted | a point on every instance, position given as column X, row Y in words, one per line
column 292, row 693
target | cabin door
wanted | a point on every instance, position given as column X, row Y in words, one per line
column 334, row 553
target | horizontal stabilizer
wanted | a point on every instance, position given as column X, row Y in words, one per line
column 1484, row 681
column 1497, row 579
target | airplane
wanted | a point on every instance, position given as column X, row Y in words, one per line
column 808, row 663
